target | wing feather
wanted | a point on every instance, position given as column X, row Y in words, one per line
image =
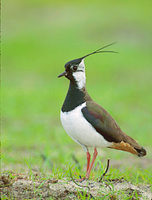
column 101, row 120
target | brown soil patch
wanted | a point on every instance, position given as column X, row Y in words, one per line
column 20, row 186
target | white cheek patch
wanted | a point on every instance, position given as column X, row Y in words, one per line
column 80, row 79
column 81, row 66
column 79, row 76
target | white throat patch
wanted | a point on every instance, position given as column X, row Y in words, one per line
column 79, row 75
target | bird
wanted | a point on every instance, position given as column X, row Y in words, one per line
column 86, row 122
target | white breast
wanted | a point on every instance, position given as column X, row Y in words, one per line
column 80, row 130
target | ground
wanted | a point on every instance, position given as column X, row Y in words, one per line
column 47, row 184
column 21, row 186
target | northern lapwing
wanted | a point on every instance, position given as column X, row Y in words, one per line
column 86, row 122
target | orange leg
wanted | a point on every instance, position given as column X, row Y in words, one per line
column 88, row 160
column 93, row 160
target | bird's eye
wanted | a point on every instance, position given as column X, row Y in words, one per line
column 75, row 68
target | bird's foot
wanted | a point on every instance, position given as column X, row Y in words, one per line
column 81, row 179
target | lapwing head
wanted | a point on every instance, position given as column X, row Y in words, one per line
column 72, row 67
column 75, row 69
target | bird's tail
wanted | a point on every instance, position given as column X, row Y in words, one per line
column 130, row 145
column 140, row 152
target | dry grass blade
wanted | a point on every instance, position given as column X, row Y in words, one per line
column 80, row 185
column 108, row 161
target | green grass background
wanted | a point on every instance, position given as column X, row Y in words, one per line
column 39, row 37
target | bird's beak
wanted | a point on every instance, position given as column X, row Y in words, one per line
column 62, row 74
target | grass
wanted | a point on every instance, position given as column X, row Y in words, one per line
column 38, row 39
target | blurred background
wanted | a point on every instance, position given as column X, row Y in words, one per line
column 39, row 37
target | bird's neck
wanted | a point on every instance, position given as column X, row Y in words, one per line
column 75, row 97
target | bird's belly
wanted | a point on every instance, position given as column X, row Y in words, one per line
column 80, row 130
